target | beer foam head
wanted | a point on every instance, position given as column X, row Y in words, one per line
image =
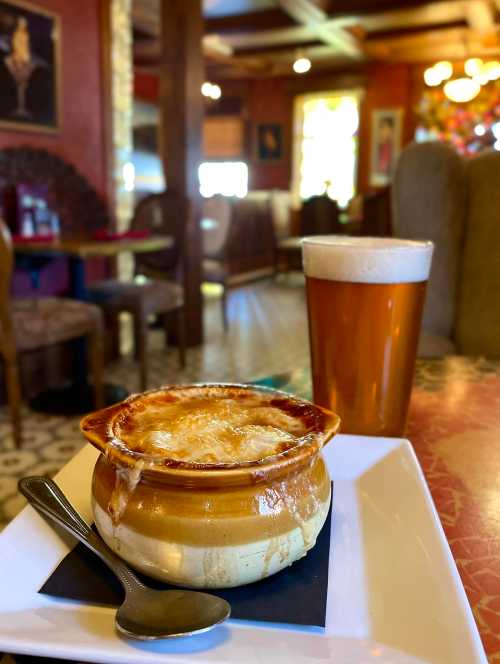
column 366, row 260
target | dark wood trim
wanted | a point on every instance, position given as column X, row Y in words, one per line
column 409, row 31
column 362, row 7
column 277, row 48
column 250, row 22
column 107, row 104
column 303, row 11
column 342, row 80
column 181, row 117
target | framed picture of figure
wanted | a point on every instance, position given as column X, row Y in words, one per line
column 30, row 39
column 385, row 145
column 270, row 142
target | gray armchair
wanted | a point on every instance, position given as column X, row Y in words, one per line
column 478, row 316
column 429, row 201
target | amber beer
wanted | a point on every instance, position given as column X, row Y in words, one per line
column 365, row 298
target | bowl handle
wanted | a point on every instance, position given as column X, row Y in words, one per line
column 332, row 425
column 94, row 426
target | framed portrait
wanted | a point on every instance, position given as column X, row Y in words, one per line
column 385, row 145
column 269, row 142
column 29, row 68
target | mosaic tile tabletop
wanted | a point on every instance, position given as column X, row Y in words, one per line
column 454, row 427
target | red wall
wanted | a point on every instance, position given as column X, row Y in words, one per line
column 81, row 139
column 264, row 101
column 270, row 102
column 388, row 86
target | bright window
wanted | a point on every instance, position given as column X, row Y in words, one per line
column 326, row 145
column 229, row 178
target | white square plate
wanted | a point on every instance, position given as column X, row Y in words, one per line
column 394, row 593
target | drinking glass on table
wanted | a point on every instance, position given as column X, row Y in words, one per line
column 365, row 298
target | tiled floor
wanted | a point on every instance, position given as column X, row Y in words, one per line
column 267, row 334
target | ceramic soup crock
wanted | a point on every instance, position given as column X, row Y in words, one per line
column 209, row 524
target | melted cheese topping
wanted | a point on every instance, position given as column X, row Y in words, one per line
column 209, row 431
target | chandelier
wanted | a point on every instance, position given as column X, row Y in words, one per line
column 463, row 88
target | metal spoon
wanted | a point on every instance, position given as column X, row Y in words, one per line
column 146, row 613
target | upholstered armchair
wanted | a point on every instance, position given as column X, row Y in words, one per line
column 429, row 201
column 28, row 324
column 160, row 294
column 215, row 227
column 478, row 315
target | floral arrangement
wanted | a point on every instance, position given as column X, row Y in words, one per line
column 469, row 127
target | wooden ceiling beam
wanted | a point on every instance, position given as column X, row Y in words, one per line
column 306, row 12
column 480, row 15
column 451, row 43
column 250, row 22
column 416, row 55
column 431, row 15
column 408, row 31
column 339, row 8
column 264, row 38
column 271, row 50
column 147, row 55
column 213, row 47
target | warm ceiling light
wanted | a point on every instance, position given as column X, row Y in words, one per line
column 461, row 90
column 215, row 92
column 492, row 70
column 211, row 90
column 432, row 77
column 301, row 65
column 473, row 66
column 444, row 69
column 206, row 89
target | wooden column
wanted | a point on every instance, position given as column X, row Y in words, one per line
column 181, row 113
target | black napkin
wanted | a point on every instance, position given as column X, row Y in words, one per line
column 296, row 595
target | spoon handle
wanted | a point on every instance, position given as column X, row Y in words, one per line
column 47, row 498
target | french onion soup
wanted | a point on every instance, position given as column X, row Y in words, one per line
column 210, row 485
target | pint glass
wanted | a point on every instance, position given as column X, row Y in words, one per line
column 365, row 298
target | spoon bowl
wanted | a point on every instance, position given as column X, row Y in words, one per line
column 165, row 614
column 145, row 614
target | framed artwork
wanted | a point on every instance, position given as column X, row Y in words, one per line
column 385, row 145
column 269, row 142
column 29, row 67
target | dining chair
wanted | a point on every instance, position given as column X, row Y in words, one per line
column 164, row 213
column 28, row 324
column 216, row 224
column 245, row 245
column 158, row 291
column 376, row 215
column 319, row 215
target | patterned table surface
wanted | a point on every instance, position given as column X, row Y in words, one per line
column 454, row 427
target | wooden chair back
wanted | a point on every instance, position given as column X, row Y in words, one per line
column 7, row 343
column 250, row 243
column 216, row 225
column 80, row 208
column 376, row 217
column 163, row 214
column 320, row 216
